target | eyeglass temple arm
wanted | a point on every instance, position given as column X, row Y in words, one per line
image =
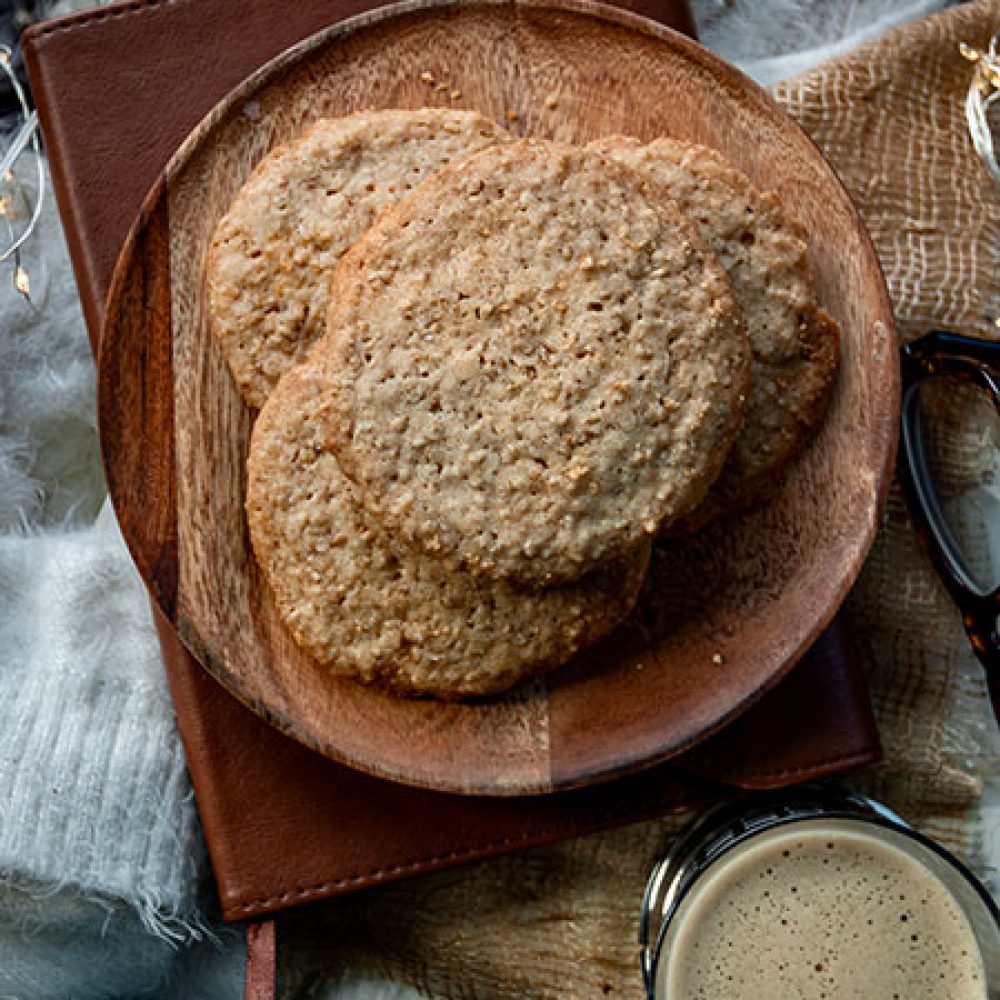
column 977, row 361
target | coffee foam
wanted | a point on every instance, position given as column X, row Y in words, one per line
column 821, row 910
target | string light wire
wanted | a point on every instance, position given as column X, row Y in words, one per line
column 984, row 92
column 26, row 135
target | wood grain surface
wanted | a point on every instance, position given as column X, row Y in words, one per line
column 725, row 614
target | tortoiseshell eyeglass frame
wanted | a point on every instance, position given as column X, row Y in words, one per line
column 941, row 353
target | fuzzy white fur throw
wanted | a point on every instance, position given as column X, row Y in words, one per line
column 100, row 851
column 102, row 869
column 777, row 39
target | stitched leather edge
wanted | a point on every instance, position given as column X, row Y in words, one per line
column 317, row 891
column 74, row 22
column 735, row 773
column 321, row 890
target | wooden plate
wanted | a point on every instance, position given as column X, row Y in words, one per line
column 728, row 613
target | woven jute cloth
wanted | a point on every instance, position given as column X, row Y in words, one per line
column 891, row 119
column 562, row 920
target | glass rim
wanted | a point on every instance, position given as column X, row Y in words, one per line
column 728, row 825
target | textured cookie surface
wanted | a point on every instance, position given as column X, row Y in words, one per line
column 537, row 364
column 372, row 609
column 302, row 207
column 794, row 342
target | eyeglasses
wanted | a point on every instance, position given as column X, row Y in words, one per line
column 942, row 358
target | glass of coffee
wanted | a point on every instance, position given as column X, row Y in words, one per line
column 819, row 894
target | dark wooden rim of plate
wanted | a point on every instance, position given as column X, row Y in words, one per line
column 151, row 531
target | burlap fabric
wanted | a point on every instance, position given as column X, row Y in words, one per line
column 891, row 119
column 562, row 921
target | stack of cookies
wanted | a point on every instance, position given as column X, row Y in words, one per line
column 491, row 372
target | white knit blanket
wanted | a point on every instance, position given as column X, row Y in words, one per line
column 104, row 882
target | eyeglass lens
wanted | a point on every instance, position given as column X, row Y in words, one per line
column 959, row 430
